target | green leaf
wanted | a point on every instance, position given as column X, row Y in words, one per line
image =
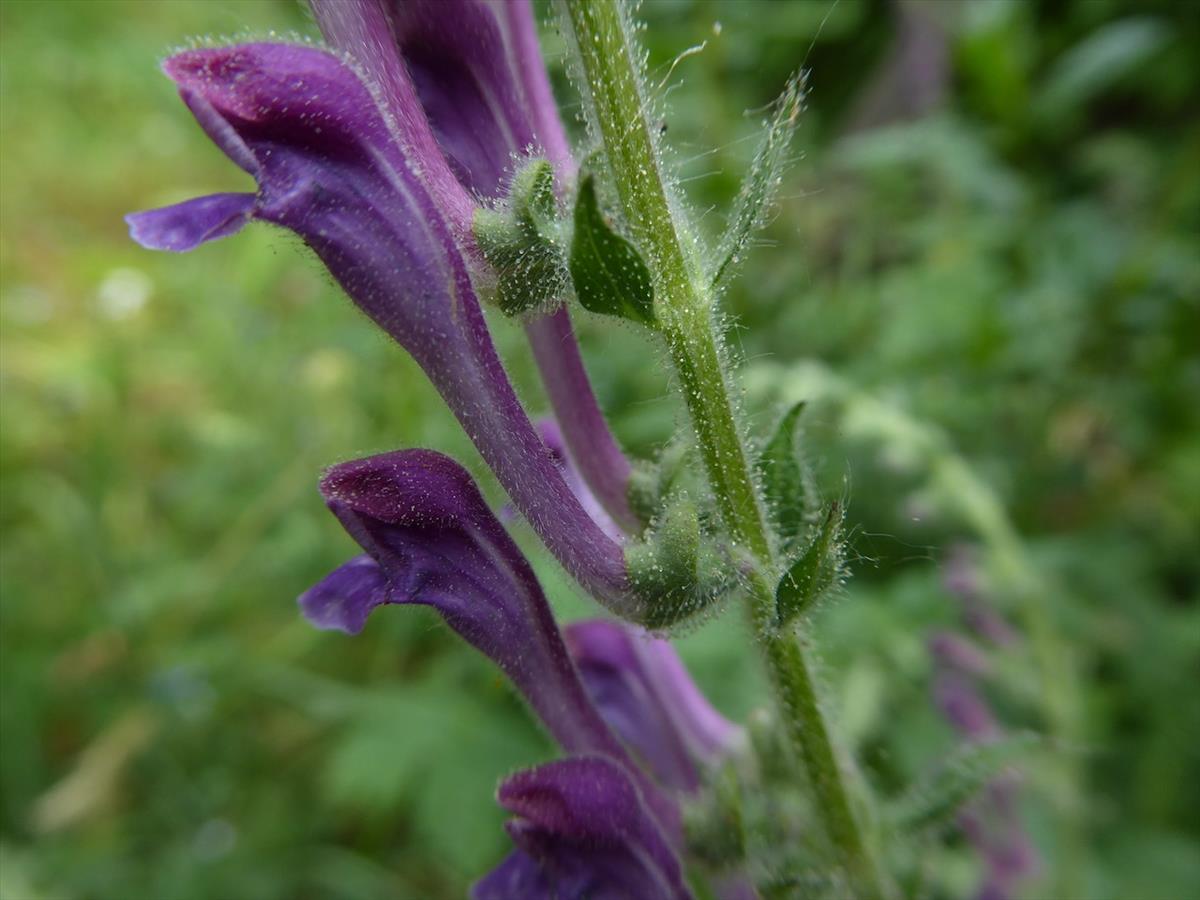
column 1096, row 63
column 814, row 572
column 762, row 181
column 609, row 274
column 935, row 801
column 787, row 483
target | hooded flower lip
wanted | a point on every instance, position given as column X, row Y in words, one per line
column 350, row 166
column 479, row 75
column 581, row 831
column 431, row 539
column 332, row 167
column 643, row 691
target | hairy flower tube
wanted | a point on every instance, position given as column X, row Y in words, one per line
column 346, row 161
column 600, row 820
column 478, row 72
column 642, row 690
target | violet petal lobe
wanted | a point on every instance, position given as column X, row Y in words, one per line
column 344, row 598
column 644, row 692
column 187, row 225
column 331, row 165
column 582, row 822
column 431, row 539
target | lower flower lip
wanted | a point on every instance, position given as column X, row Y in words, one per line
column 187, row 225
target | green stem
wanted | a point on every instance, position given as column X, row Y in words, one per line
column 683, row 309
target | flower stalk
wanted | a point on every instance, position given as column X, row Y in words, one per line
column 683, row 310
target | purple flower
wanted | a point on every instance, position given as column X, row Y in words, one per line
column 995, row 832
column 351, row 166
column 643, row 691
column 991, row 822
column 963, row 706
column 581, row 830
column 957, row 653
column 430, row 539
column 962, row 579
column 480, row 77
column 595, row 824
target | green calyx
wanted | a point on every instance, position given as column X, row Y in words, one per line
column 536, row 252
column 651, row 482
column 523, row 242
column 664, row 568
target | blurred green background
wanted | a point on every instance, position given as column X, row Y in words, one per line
column 984, row 270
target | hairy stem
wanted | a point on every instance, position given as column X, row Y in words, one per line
column 683, row 307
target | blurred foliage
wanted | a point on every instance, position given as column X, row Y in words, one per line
column 1016, row 268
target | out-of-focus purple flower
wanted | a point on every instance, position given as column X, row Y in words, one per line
column 991, row 822
column 960, row 573
column 964, row 707
column 480, row 77
column 643, row 691
column 961, row 578
column 581, row 830
column 956, row 652
column 911, row 80
column 351, row 166
column 1000, row 840
column 430, row 539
